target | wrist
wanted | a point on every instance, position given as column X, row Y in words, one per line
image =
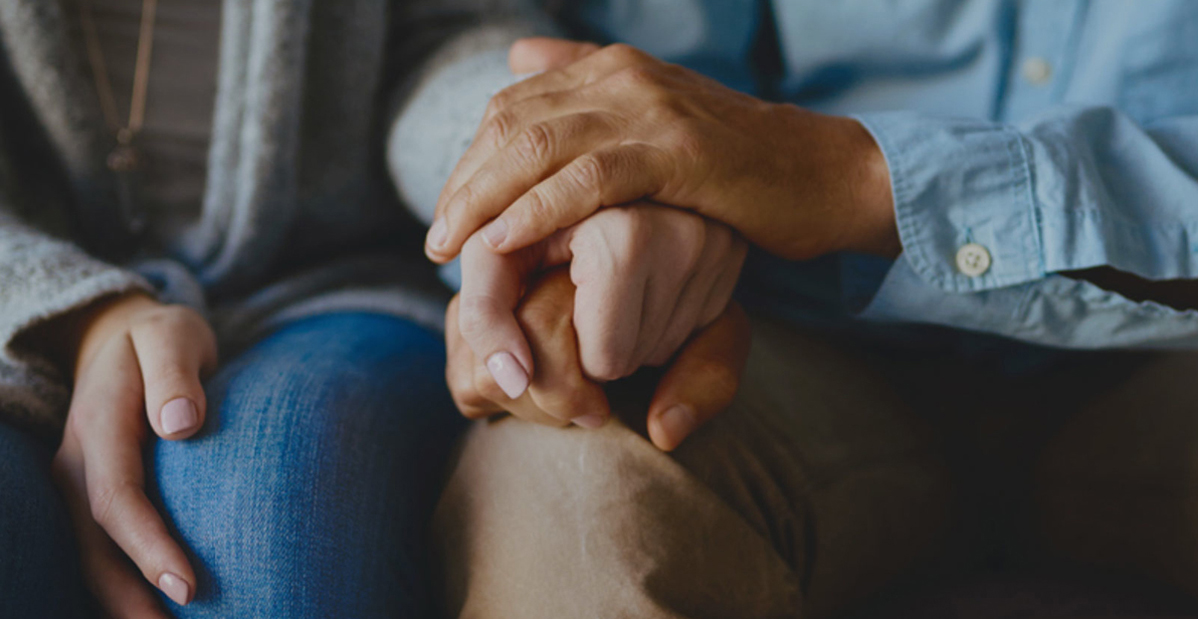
column 873, row 226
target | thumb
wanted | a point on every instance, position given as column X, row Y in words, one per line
column 539, row 54
column 702, row 380
column 175, row 348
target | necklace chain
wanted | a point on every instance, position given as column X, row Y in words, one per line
column 141, row 75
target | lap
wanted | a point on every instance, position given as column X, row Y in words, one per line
column 813, row 489
column 309, row 489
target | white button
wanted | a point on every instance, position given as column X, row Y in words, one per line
column 1037, row 71
column 973, row 259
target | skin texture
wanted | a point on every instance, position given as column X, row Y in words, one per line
column 618, row 125
column 700, row 382
column 132, row 357
column 647, row 277
column 613, row 128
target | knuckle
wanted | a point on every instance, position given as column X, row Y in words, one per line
column 535, row 207
column 499, row 128
column 498, row 103
column 462, row 204
column 591, row 172
column 624, row 53
column 169, row 318
column 535, row 144
column 104, row 499
column 636, row 77
column 476, row 316
column 630, row 236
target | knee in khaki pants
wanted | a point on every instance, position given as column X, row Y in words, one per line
column 1118, row 487
column 811, row 491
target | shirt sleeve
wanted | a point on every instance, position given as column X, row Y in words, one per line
column 989, row 214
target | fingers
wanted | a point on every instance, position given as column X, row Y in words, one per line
column 532, row 155
column 106, row 414
column 707, row 293
column 557, row 394
column 524, row 407
column 559, row 387
column 174, row 347
column 499, row 124
column 509, row 114
column 611, row 289
column 120, row 590
column 605, row 177
column 492, row 285
column 702, row 381
column 540, row 54
column 460, row 368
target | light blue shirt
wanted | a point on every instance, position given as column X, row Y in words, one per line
column 1041, row 136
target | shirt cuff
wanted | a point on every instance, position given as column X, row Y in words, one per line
column 959, row 183
column 1054, row 311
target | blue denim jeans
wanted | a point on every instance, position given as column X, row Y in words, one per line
column 309, row 490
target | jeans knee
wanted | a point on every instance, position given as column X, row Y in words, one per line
column 320, row 455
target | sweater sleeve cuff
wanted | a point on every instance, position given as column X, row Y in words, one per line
column 440, row 115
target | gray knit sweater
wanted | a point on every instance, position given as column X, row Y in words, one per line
column 299, row 215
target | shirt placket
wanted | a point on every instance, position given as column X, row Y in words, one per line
column 1042, row 55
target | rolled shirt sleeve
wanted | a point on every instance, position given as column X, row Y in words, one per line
column 989, row 214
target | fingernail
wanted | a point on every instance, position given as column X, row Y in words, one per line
column 438, row 233
column 178, row 415
column 590, row 422
column 495, row 233
column 508, row 373
column 677, row 422
column 175, row 588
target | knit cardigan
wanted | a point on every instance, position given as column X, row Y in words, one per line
column 314, row 99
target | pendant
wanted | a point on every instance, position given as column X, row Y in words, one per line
column 124, row 161
column 123, row 158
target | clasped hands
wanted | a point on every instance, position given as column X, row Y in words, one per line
column 646, row 179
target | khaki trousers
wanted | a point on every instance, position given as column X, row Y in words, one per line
column 834, row 474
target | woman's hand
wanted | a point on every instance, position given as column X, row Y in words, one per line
column 647, row 278
column 135, row 359
column 619, row 125
column 700, row 382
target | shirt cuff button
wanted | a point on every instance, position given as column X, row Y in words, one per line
column 973, row 259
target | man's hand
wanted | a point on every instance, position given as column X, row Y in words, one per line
column 700, row 383
column 135, row 359
column 619, row 125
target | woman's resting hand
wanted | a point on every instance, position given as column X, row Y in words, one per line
column 699, row 383
column 135, row 359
